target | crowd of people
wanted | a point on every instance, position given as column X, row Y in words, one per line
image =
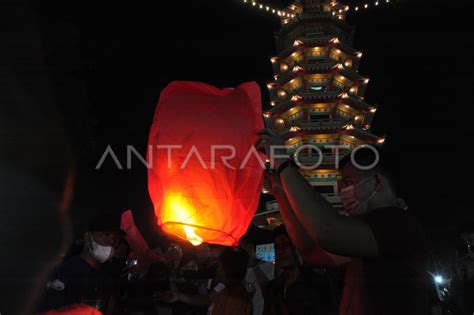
column 368, row 259
column 208, row 279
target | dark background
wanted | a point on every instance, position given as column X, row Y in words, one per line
column 109, row 63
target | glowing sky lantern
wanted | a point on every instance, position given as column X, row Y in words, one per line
column 205, row 175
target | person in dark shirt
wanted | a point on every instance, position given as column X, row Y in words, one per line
column 80, row 279
column 388, row 251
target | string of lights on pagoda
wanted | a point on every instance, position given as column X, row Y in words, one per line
column 268, row 8
column 355, row 8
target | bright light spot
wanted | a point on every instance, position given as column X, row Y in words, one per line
column 438, row 279
column 356, row 8
column 192, row 237
column 366, row 6
column 177, row 209
column 297, row 68
column 316, row 88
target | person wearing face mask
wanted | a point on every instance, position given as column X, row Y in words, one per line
column 81, row 278
column 386, row 246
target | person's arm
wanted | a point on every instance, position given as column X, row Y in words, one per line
column 306, row 246
column 335, row 233
column 341, row 235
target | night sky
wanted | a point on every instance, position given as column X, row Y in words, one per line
column 109, row 63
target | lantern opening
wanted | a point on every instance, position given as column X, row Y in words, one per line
column 179, row 210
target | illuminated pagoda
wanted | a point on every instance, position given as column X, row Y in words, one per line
column 317, row 95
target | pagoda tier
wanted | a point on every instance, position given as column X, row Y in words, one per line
column 317, row 94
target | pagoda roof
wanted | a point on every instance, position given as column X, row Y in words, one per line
column 356, row 133
column 350, row 101
column 323, row 69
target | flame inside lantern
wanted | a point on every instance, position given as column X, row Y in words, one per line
column 192, row 237
column 178, row 210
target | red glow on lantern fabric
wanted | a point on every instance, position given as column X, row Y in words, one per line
column 206, row 187
column 75, row 309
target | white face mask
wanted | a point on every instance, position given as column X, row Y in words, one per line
column 351, row 204
column 101, row 252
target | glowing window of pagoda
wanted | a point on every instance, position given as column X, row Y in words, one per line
column 348, row 63
column 317, row 79
column 316, row 53
column 284, row 67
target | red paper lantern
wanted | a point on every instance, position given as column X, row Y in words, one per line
column 204, row 173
